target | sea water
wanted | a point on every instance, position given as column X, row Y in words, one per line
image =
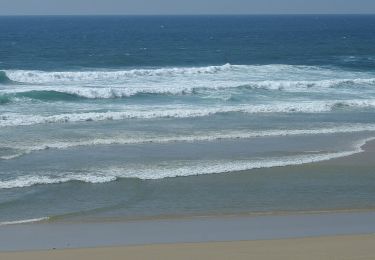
column 145, row 116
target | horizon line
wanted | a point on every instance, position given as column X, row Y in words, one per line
column 249, row 14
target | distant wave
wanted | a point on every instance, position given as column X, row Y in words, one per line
column 40, row 77
column 194, row 137
column 22, row 221
column 107, row 84
column 159, row 172
column 170, row 111
column 254, row 73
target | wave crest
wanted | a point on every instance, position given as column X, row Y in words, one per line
column 4, row 79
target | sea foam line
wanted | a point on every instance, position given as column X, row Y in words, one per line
column 168, row 111
column 195, row 137
column 23, row 221
column 182, row 170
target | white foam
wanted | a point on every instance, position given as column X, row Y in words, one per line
column 179, row 169
column 312, row 85
column 187, row 87
column 177, row 81
column 23, row 221
column 185, row 111
column 12, row 156
column 27, row 181
column 193, row 137
column 253, row 73
column 42, row 77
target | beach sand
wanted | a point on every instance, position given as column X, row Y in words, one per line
column 332, row 247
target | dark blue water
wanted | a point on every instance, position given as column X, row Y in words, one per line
column 128, row 116
column 59, row 43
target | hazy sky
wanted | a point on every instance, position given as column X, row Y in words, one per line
column 10, row 7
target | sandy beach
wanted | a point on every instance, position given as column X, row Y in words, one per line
column 332, row 247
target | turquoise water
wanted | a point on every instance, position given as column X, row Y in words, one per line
column 148, row 116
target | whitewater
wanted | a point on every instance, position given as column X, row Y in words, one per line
column 179, row 170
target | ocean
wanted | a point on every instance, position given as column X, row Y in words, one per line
column 106, row 117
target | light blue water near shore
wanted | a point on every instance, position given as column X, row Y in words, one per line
column 149, row 116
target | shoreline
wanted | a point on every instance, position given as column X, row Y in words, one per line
column 327, row 247
column 46, row 236
column 61, row 220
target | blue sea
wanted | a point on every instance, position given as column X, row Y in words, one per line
column 150, row 116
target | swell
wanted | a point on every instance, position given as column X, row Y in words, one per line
column 160, row 172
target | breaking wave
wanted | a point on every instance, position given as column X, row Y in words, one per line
column 41, row 77
column 107, row 84
column 170, row 111
column 71, row 93
column 187, row 169
column 4, row 79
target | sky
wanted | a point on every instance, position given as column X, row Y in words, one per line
column 160, row 7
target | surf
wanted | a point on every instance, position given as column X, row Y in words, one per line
column 18, row 150
column 181, row 169
column 74, row 92
column 187, row 111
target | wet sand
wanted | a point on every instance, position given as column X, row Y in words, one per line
column 334, row 247
column 46, row 236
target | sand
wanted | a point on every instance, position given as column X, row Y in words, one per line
column 358, row 247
